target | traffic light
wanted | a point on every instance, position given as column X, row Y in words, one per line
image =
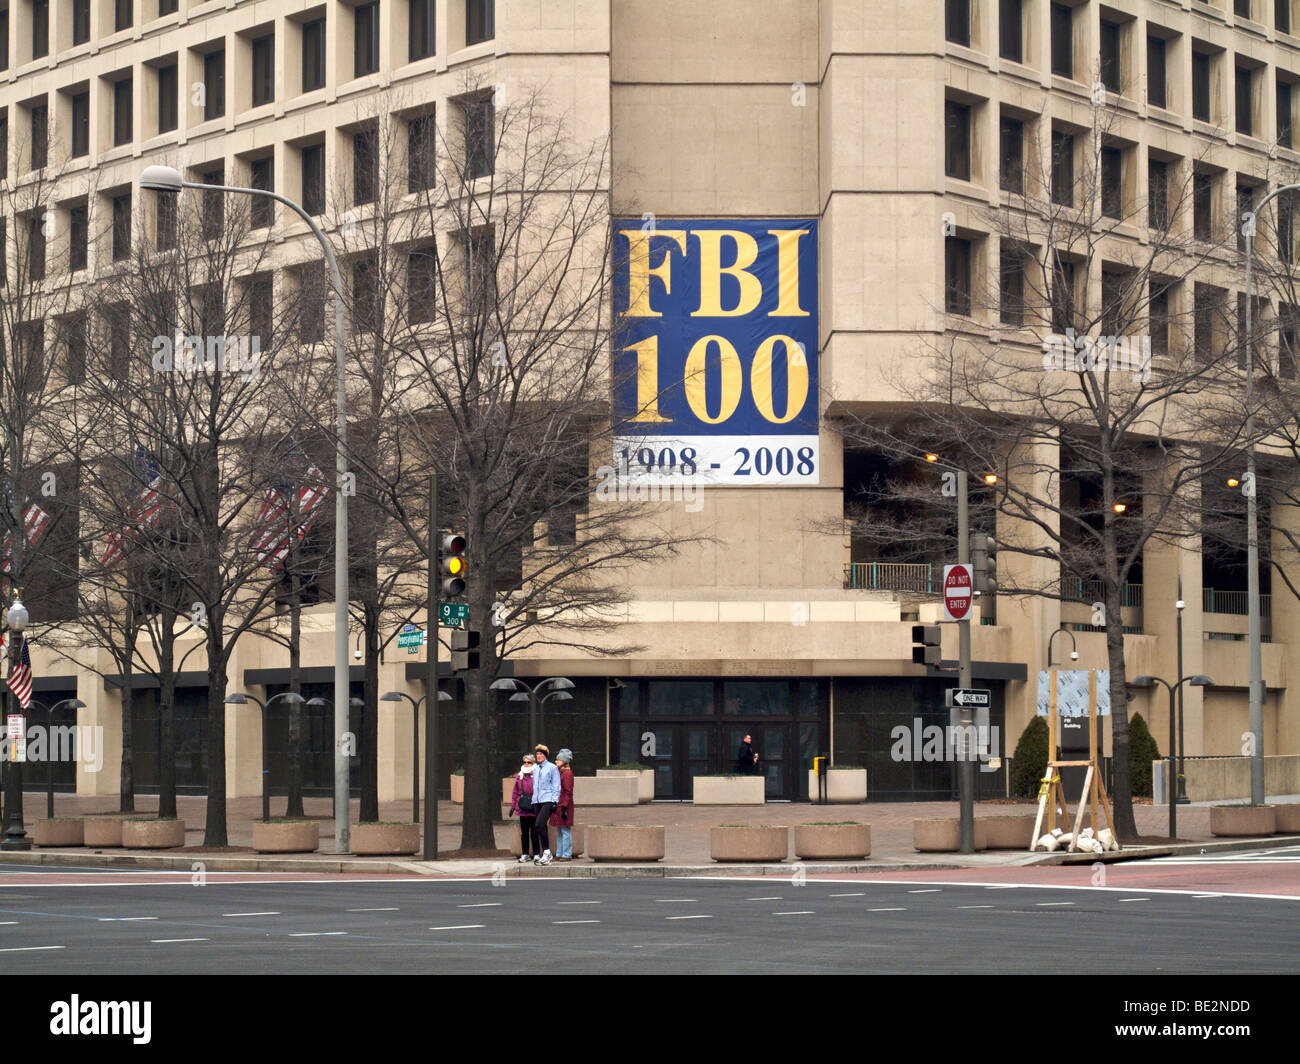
column 451, row 563
column 929, row 636
column 464, row 649
column 984, row 565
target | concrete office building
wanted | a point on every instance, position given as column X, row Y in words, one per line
column 752, row 111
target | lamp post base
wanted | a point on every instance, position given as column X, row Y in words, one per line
column 15, row 839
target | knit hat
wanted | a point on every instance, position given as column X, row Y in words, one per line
column 564, row 755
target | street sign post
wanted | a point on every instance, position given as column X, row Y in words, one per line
column 957, row 592
column 412, row 638
column 453, row 614
column 976, row 697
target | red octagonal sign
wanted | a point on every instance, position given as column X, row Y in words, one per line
column 956, row 592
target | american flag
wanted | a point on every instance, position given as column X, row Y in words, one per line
column 36, row 522
column 146, row 512
column 271, row 532
column 20, row 680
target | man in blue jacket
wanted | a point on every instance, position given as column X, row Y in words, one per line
column 546, row 795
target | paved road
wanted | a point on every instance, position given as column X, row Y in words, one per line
column 976, row 921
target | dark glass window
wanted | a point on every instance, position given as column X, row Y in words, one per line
column 1286, row 227
column 1063, row 169
column 168, row 86
column 365, row 295
column 1156, row 87
column 422, row 29
column 80, row 21
column 4, row 145
column 263, row 69
column 1243, row 82
column 1012, row 155
column 40, row 28
column 4, row 39
column 311, row 303
column 1062, row 295
column 1203, row 206
column 1205, row 305
column 1011, row 285
column 420, row 144
column 214, row 203
column 956, row 153
column 957, row 22
column 166, row 205
column 1284, row 113
column 1282, row 15
column 480, row 136
column 73, row 330
column 1201, row 86
column 122, row 112
column 365, row 166
column 313, row 179
column 78, row 237
column 1157, row 194
column 1112, row 303
column 168, row 7
column 80, row 124
column 1245, row 204
column 366, row 39
column 313, row 54
column 123, row 14
column 1011, row 34
column 121, row 227
column 1112, row 187
column 1110, row 62
column 261, row 209
column 1159, row 315
column 1288, row 340
column 40, row 135
column 260, row 302
column 480, row 21
column 214, row 84
column 36, row 246
column 1062, row 41
column 1241, row 8
column 958, row 276
column 422, row 272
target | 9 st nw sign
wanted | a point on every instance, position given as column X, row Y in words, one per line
column 957, row 592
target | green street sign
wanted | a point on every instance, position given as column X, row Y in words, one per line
column 453, row 614
column 412, row 640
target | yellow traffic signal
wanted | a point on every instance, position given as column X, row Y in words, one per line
column 452, row 564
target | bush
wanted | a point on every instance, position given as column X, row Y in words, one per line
column 1142, row 750
column 1029, row 762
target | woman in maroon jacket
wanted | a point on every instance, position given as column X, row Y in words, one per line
column 521, row 805
column 563, row 816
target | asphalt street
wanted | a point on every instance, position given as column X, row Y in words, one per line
column 62, row 921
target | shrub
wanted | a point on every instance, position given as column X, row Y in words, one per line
column 1029, row 762
column 1142, row 750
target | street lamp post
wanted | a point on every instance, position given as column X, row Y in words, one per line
column 15, row 837
column 168, row 179
column 75, row 703
column 239, row 699
column 535, row 700
column 1074, row 651
column 397, row 696
column 1150, row 681
column 1181, row 798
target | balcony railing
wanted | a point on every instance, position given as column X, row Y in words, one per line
column 1234, row 602
column 1075, row 590
column 890, row 576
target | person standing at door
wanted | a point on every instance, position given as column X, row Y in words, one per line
column 562, row 821
column 747, row 758
column 546, row 796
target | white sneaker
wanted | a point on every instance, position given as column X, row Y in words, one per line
column 545, row 858
column 524, row 859
column 537, row 860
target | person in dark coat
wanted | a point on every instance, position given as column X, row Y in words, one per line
column 523, row 793
column 747, row 758
column 563, row 816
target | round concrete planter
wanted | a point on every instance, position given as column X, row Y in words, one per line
column 1243, row 820
column 286, row 836
column 1007, row 832
column 942, row 834
column 102, row 831
column 153, row 834
column 579, row 838
column 820, row 841
column 1287, row 818
column 458, row 789
column 749, row 844
column 65, row 831
column 625, row 842
column 373, row 840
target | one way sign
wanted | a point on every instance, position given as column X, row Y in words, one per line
column 967, row 696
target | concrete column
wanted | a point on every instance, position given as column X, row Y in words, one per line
column 396, row 739
column 1285, row 614
column 243, row 735
column 103, row 712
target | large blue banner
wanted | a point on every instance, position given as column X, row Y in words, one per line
column 715, row 351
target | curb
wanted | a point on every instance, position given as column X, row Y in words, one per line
column 1181, row 849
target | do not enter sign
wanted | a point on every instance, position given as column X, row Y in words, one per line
column 956, row 592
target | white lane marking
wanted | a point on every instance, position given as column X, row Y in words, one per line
column 932, row 890
column 688, row 917
column 776, row 898
column 975, row 906
column 1134, row 899
column 859, row 894
column 384, row 909
column 26, row 949
column 797, row 912
column 456, row 927
column 1045, row 904
column 577, row 903
column 161, row 940
column 8, row 923
column 575, row 921
column 479, row 905
column 672, row 901
column 246, row 914
column 886, row 910
column 312, row 934
column 1205, row 895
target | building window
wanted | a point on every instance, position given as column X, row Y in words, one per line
column 1203, row 206
column 118, row 319
column 312, row 287
column 1062, row 295
column 313, row 55
column 1282, row 15
column 1156, row 87
column 260, row 314
column 1201, row 86
column 123, row 14
column 214, row 203
column 365, row 40
column 313, row 179
column 365, row 166
column 78, row 237
column 480, row 21
column 72, row 330
column 1205, row 305
column 40, row 28
column 480, row 271
column 122, row 112
column 166, row 206
column 365, row 295
column 957, row 274
column 1011, row 285
column 1011, row 35
column 1062, row 41
column 168, row 85
column 261, row 210
column 957, row 22
column 1286, row 227
column 263, row 69
column 168, row 7
column 80, row 124
column 80, row 21
column 40, row 135
column 1063, row 169
column 421, row 284
column 1012, row 155
column 422, row 29
column 1245, row 204
column 1288, row 339
column 214, row 84
column 420, row 144
column 1158, row 314
column 956, row 156
column 480, row 136
column 122, row 227
column 1241, row 8
column 1244, row 124
column 1157, row 194
column 36, row 245
column 1110, row 58
column 1284, row 113
column 1112, row 182
column 4, row 146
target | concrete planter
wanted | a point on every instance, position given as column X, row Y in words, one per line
column 625, row 842
column 1287, row 820
column 1243, row 820
column 458, row 790
column 507, row 790
column 729, row 790
column 153, row 834
column 606, row 790
column 59, row 832
column 823, row 841
column 645, row 778
column 286, row 836
column 102, row 831
column 749, row 844
column 372, row 840
column 579, row 838
column 943, row 835
column 843, row 785
column 1007, row 832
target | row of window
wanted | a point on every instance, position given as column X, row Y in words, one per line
column 480, row 26
column 1015, row 305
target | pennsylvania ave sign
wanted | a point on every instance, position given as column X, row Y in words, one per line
column 956, row 592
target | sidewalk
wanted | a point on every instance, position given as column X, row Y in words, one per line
column 686, row 837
